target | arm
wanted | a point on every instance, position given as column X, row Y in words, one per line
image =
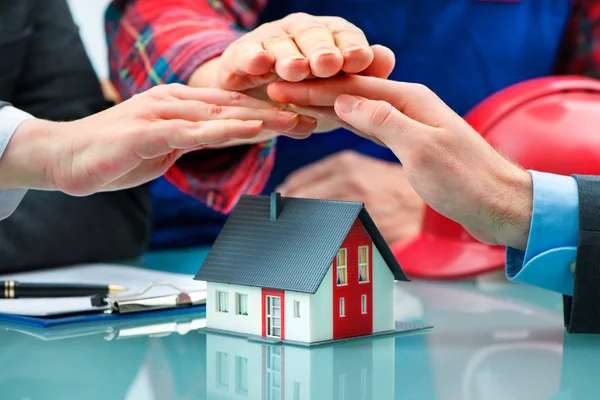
column 179, row 36
column 10, row 119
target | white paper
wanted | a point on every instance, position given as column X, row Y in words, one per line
column 133, row 278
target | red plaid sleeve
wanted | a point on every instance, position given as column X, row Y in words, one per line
column 580, row 50
column 154, row 42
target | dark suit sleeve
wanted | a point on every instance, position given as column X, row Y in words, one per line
column 46, row 72
column 582, row 310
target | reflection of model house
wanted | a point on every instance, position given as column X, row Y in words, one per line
column 239, row 369
column 300, row 270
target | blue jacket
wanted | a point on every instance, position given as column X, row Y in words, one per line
column 464, row 50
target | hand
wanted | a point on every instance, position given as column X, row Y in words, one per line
column 450, row 165
column 133, row 142
column 381, row 186
column 295, row 48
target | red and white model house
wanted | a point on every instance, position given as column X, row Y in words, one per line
column 300, row 271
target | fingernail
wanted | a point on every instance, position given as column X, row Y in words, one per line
column 308, row 120
column 324, row 53
column 346, row 103
column 353, row 49
column 253, row 123
column 286, row 113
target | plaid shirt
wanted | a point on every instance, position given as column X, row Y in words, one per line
column 155, row 42
column 164, row 41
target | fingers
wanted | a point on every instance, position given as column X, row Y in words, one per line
column 383, row 62
column 316, row 42
column 381, row 120
column 274, row 119
column 247, row 56
column 290, row 63
column 351, row 42
column 165, row 136
column 214, row 96
column 413, row 100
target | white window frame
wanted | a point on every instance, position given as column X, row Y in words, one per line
column 273, row 322
column 342, row 268
column 297, row 313
column 241, row 375
column 342, row 307
column 241, row 304
column 364, row 265
column 363, row 304
column 222, row 301
column 363, row 384
column 222, row 370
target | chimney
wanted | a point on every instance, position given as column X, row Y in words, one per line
column 275, row 205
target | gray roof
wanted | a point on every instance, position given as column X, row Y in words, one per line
column 293, row 252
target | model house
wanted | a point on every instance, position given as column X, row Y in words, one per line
column 238, row 369
column 300, row 270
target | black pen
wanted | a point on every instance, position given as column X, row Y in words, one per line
column 15, row 290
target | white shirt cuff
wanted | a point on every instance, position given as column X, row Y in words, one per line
column 10, row 119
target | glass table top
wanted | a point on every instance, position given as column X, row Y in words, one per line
column 490, row 340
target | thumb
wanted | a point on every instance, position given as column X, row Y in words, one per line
column 378, row 119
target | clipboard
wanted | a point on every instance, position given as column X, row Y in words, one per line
column 160, row 323
column 162, row 292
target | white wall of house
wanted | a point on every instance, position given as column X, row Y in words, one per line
column 383, row 356
column 383, row 294
column 250, row 324
column 297, row 374
column 321, row 310
column 297, row 329
column 233, row 368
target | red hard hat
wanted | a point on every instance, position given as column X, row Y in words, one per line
column 549, row 124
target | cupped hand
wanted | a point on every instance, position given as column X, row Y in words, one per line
column 450, row 166
column 349, row 176
column 295, row 48
column 135, row 141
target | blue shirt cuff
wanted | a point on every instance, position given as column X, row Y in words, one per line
column 553, row 235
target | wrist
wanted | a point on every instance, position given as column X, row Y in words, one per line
column 206, row 75
column 512, row 209
column 24, row 164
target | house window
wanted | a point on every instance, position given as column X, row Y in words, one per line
column 342, row 271
column 363, row 264
column 363, row 304
column 241, row 376
column 222, row 302
column 273, row 376
column 342, row 310
column 342, row 387
column 222, row 370
column 241, row 301
column 297, row 387
column 363, row 384
column 296, row 309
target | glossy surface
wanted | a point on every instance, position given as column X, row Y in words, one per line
column 489, row 341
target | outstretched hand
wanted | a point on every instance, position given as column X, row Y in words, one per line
column 449, row 164
column 136, row 141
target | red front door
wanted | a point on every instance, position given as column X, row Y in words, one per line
column 352, row 285
column 273, row 313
